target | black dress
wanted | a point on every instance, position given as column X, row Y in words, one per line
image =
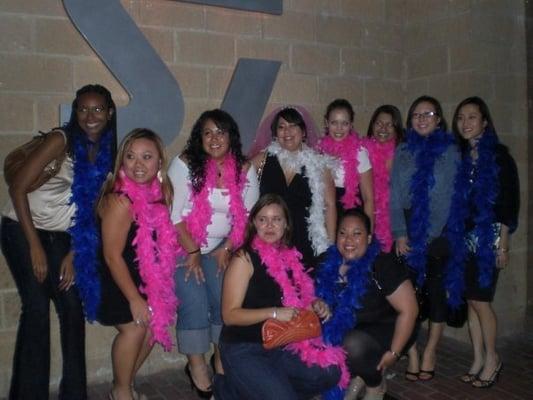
column 114, row 307
column 506, row 212
column 298, row 197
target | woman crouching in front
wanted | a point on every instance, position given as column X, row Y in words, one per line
column 372, row 301
column 265, row 279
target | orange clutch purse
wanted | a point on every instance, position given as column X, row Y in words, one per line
column 305, row 325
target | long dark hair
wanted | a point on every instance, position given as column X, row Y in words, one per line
column 72, row 127
column 485, row 116
column 396, row 121
column 194, row 151
column 438, row 109
column 267, row 200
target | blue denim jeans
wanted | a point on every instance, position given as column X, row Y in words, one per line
column 199, row 317
column 31, row 364
column 253, row 373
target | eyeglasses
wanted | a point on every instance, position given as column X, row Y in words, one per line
column 424, row 115
column 94, row 109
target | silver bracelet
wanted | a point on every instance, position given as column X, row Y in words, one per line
column 395, row 354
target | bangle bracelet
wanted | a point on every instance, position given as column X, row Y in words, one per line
column 194, row 251
column 275, row 313
column 395, row 354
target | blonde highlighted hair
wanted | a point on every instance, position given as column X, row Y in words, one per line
column 140, row 133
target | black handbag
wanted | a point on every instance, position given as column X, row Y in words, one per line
column 456, row 317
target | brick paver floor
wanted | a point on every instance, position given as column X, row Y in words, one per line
column 516, row 379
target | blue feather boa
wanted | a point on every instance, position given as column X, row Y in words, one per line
column 476, row 189
column 85, row 232
column 343, row 301
column 426, row 150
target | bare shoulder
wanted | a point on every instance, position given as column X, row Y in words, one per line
column 54, row 144
column 115, row 206
column 241, row 263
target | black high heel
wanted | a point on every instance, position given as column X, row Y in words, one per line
column 487, row 383
column 203, row 394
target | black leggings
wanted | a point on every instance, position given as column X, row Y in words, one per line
column 366, row 345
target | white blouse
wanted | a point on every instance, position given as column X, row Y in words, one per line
column 364, row 165
column 220, row 226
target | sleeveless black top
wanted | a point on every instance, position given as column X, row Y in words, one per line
column 114, row 307
column 298, row 197
column 262, row 292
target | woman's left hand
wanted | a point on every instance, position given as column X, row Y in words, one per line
column 66, row 274
column 321, row 309
column 386, row 361
column 222, row 255
column 502, row 259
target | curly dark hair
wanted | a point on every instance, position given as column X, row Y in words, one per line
column 195, row 154
column 72, row 127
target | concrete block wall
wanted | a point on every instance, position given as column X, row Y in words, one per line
column 368, row 51
column 456, row 49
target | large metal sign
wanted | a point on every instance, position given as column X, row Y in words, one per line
column 156, row 100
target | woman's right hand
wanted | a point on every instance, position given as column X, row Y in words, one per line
column 285, row 314
column 194, row 267
column 38, row 262
column 402, row 248
column 140, row 311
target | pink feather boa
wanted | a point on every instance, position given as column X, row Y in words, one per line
column 381, row 155
column 200, row 216
column 346, row 150
column 156, row 248
column 284, row 266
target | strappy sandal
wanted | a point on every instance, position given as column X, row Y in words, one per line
column 411, row 376
column 487, row 383
column 468, row 377
column 430, row 374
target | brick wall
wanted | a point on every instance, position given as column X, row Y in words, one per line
column 369, row 51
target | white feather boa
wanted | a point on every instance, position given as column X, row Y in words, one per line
column 315, row 167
